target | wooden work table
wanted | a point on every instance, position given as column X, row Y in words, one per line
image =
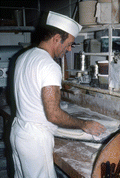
column 74, row 157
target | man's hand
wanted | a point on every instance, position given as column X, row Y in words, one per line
column 94, row 128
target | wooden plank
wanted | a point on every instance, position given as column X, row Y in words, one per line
column 74, row 157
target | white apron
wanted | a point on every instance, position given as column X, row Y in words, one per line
column 32, row 146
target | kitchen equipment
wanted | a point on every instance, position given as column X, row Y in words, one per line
column 92, row 45
column 103, row 73
column 103, row 67
column 105, row 43
column 6, row 54
column 80, row 63
column 103, row 81
column 3, row 73
column 83, row 77
column 94, row 75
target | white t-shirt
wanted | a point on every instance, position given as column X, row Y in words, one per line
column 34, row 70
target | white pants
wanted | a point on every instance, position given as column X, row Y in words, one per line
column 32, row 147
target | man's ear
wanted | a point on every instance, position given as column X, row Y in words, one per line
column 57, row 38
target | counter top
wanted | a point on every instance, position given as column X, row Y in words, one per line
column 74, row 157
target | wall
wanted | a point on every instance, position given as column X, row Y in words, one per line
column 65, row 7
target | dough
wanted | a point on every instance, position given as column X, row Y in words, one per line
column 111, row 125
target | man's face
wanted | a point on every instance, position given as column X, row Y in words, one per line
column 64, row 47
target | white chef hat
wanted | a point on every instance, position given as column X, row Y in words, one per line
column 64, row 23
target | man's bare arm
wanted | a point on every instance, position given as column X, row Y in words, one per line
column 51, row 100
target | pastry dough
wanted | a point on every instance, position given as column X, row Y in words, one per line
column 112, row 125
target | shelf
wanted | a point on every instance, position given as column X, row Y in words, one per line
column 75, row 70
column 112, row 89
column 87, row 29
column 94, row 89
column 17, row 28
column 97, row 54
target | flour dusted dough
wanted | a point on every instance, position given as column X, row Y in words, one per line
column 81, row 135
column 110, row 124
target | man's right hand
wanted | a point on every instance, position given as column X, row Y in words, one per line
column 93, row 128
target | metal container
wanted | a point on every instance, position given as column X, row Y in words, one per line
column 103, row 74
column 103, row 67
column 103, row 81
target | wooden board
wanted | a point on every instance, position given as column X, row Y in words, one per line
column 74, row 157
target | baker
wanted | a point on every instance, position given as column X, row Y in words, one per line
column 37, row 84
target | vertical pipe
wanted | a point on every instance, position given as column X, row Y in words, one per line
column 110, row 58
column 83, row 63
column 24, row 18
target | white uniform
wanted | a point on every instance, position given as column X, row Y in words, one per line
column 32, row 137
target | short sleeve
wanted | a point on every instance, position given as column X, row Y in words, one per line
column 51, row 75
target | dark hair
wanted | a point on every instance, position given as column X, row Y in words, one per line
column 45, row 32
